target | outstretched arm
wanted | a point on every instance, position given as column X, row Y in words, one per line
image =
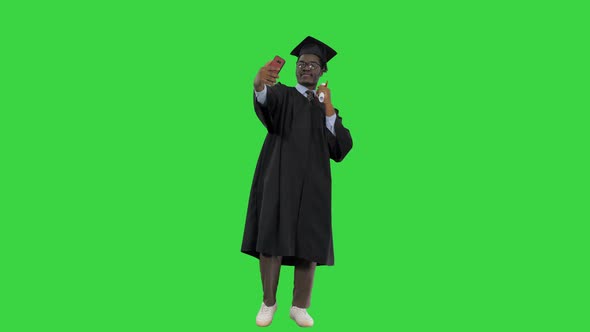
column 265, row 101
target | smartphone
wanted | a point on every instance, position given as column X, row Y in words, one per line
column 278, row 63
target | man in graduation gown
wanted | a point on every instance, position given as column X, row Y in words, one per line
column 289, row 211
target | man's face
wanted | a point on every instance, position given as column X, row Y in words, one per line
column 308, row 70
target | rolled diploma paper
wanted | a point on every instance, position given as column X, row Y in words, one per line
column 321, row 96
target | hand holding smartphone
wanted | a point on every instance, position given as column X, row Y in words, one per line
column 268, row 74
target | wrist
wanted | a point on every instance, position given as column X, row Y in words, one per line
column 330, row 110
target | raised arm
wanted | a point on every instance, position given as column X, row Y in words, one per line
column 340, row 143
column 265, row 96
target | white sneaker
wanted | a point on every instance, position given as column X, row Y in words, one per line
column 265, row 314
column 301, row 317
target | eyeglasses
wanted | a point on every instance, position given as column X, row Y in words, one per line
column 309, row 65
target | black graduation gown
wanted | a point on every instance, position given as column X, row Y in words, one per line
column 289, row 210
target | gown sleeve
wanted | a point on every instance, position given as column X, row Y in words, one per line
column 340, row 144
column 270, row 113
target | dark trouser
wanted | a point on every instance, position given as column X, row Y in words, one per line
column 270, row 268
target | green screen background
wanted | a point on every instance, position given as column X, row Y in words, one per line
column 129, row 142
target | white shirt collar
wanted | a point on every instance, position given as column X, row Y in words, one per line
column 303, row 89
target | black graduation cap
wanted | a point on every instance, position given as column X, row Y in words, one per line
column 311, row 45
